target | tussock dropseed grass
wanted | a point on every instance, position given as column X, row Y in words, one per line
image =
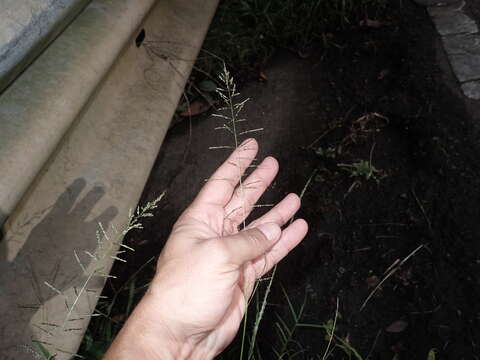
column 246, row 33
column 109, row 247
column 234, row 125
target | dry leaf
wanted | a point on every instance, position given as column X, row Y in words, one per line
column 119, row 318
column 262, row 76
column 208, row 86
column 375, row 24
column 383, row 74
column 397, row 326
column 197, row 107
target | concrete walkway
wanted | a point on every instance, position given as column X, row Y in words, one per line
column 43, row 102
column 54, row 257
column 461, row 41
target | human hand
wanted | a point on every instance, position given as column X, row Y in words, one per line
column 208, row 268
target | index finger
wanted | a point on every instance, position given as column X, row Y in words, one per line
column 220, row 186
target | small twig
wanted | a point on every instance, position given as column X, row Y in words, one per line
column 332, row 333
column 427, row 219
column 394, row 268
column 374, row 344
column 371, row 164
column 305, row 187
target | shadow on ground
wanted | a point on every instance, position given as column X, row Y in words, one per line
column 46, row 255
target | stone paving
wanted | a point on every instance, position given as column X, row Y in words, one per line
column 461, row 40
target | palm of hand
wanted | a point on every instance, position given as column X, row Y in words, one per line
column 212, row 292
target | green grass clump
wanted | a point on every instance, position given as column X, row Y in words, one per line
column 245, row 33
column 362, row 169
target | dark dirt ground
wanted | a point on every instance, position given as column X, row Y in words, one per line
column 383, row 93
column 474, row 7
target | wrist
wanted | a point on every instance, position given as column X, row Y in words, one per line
column 177, row 342
column 143, row 337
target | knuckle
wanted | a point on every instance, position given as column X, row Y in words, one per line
column 230, row 226
column 238, row 214
column 232, row 182
column 280, row 217
column 256, row 238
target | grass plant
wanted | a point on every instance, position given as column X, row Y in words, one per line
column 97, row 340
column 230, row 122
column 244, row 35
column 109, row 246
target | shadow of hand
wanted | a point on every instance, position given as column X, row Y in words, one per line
column 48, row 255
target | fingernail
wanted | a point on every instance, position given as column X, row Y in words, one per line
column 246, row 141
column 271, row 230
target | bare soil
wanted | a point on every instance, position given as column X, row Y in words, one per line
column 377, row 95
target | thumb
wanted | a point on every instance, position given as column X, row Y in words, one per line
column 249, row 244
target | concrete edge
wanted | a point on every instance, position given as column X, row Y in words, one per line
column 96, row 175
column 24, row 49
column 38, row 108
